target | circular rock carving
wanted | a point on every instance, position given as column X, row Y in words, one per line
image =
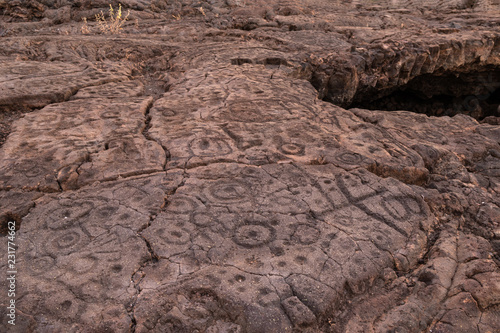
column 175, row 236
column 181, row 205
column 381, row 240
column 202, row 219
column 229, row 191
column 64, row 216
column 254, row 235
column 40, row 265
column 106, row 212
column 66, row 242
column 111, row 115
column 166, row 112
column 292, row 149
column 349, row 158
column 246, row 111
column 209, row 146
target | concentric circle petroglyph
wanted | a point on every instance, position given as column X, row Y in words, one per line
column 64, row 242
column 40, row 265
column 254, row 235
column 229, row 191
column 174, row 235
column 349, row 158
column 67, row 215
column 166, row 112
column 210, row 146
column 292, row 149
column 381, row 240
column 202, row 219
column 114, row 114
column 182, row 205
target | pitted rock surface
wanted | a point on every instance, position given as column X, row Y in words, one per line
column 222, row 166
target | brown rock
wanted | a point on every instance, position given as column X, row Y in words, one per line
column 226, row 166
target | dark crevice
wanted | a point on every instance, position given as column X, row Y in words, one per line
column 139, row 274
column 153, row 255
column 431, row 241
column 155, row 90
column 8, row 218
column 476, row 94
column 8, row 115
column 60, row 185
column 133, row 325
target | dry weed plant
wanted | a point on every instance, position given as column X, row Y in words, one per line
column 85, row 27
column 114, row 23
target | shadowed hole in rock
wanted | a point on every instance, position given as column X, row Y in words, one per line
column 117, row 268
column 8, row 221
column 426, row 277
column 239, row 278
column 241, row 61
column 301, row 260
column 66, row 305
column 476, row 94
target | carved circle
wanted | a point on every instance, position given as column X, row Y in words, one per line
column 66, row 242
column 254, row 235
column 381, row 240
column 209, row 146
column 174, row 235
column 64, row 216
column 202, row 219
column 229, row 191
column 292, row 149
column 166, row 112
column 349, row 158
column 106, row 211
column 40, row 265
column 111, row 114
column 181, row 205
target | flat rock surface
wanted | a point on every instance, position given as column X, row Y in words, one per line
column 228, row 166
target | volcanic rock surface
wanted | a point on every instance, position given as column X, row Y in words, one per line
column 252, row 166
